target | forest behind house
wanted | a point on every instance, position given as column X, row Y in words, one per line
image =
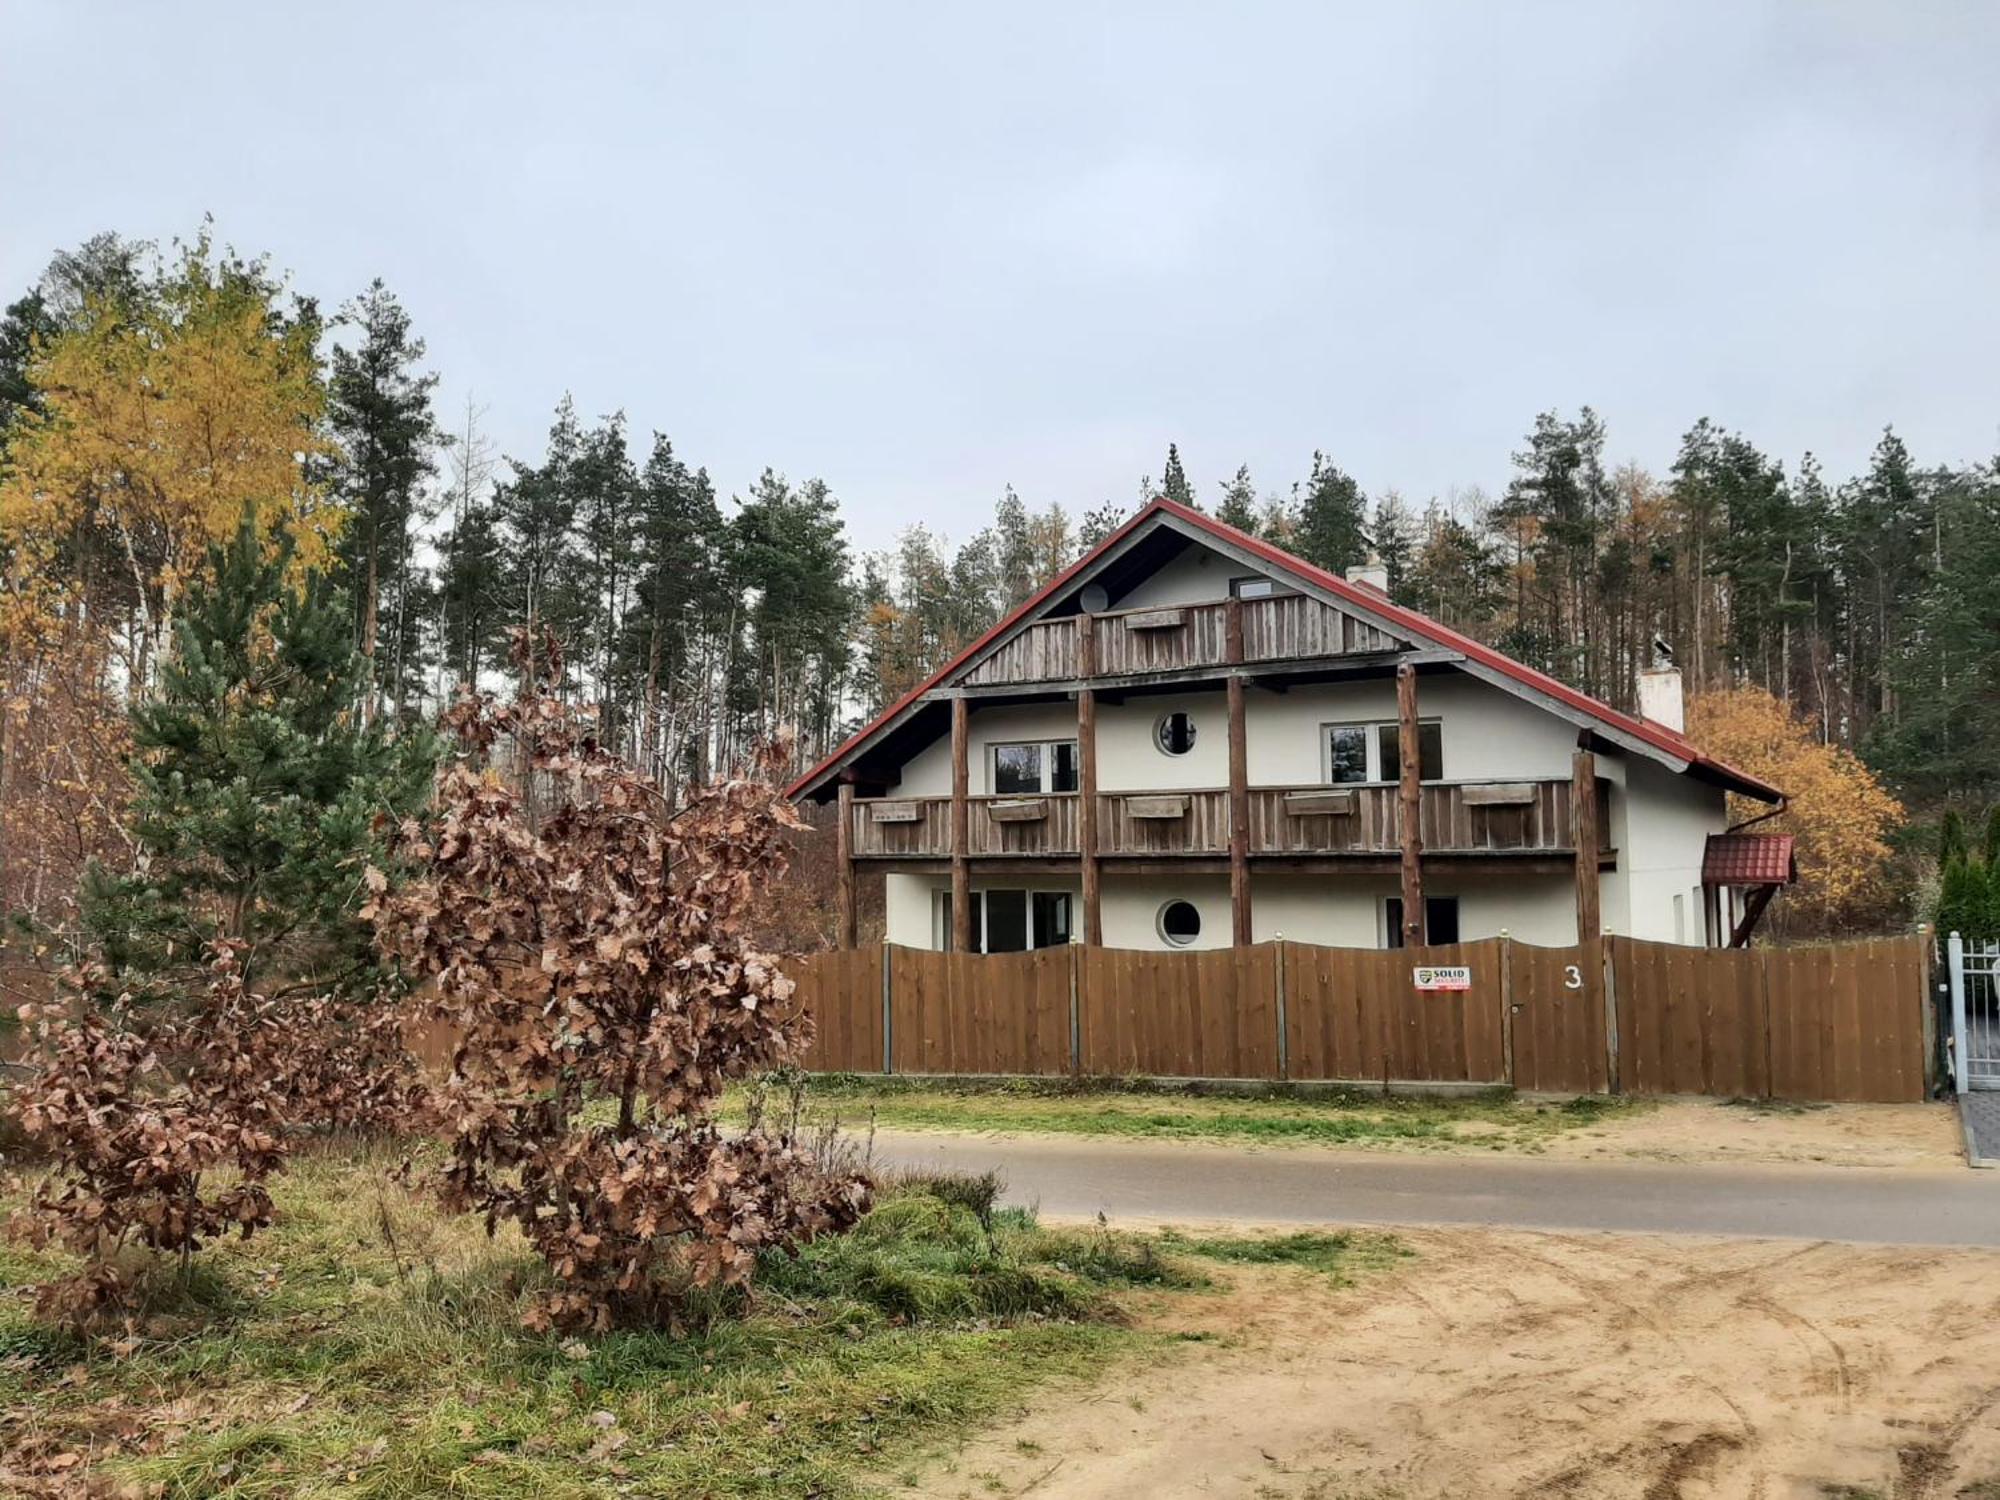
column 1840, row 633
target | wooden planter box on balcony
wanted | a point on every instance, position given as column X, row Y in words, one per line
column 1319, row 804
column 1024, row 810
column 1155, row 808
column 896, row 812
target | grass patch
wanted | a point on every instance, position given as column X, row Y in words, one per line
column 1494, row 1119
column 1341, row 1256
column 368, row 1345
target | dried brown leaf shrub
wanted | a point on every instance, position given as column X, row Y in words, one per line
column 137, row 1106
column 595, row 950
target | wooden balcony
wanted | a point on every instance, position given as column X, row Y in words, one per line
column 1134, row 642
column 1457, row 818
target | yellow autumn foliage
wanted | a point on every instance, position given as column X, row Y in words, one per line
column 163, row 416
column 1839, row 813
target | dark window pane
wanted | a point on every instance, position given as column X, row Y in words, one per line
column 1180, row 922
column 1051, row 919
column 1347, row 753
column 1063, row 774
column 1017, row 768
column 978, row 924
column 944, row 920
column 1006, row 921
column 1392, row 922
column 1440, row 919
column 1176, row 733
column 1430, row 752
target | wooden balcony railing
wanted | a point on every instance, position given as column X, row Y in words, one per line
column 1459, row 817
column 1176, row 637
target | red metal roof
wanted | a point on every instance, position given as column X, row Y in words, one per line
column 1373, row 600
column 1748, row 859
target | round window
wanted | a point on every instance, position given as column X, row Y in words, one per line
column 1180, row 923
column 1175, row 733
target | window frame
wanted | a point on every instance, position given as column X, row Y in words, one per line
column 1392, row 920
column 1160, row 733
column 1045, row 755
column 1058, row 907
column 1272, row 588
column 1377, row 774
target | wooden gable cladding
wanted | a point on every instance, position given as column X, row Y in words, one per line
column 1176, row 637
column 1042, row 651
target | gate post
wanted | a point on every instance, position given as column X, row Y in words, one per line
column 1507, row 1008
column 888, row 1041
column 1609, row 968
column 1955, row 959
column 1075, row 1007
column 1284, row 1041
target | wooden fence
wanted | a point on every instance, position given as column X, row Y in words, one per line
column 1844, row 1022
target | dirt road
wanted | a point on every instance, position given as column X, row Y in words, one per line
column 1193, row 1182
column 1501, row 1364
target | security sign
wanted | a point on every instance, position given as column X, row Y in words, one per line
column 1443, row 976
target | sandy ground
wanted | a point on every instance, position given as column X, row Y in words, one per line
column 1500, row 1364
column 1854, row 1135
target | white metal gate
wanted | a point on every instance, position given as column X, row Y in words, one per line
column 1975, row 1012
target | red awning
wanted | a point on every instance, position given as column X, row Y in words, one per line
column 1748, row 859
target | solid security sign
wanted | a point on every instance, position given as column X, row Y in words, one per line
column 1443, row 976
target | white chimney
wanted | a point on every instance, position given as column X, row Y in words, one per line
column 1370, row 575
column 1660, row 696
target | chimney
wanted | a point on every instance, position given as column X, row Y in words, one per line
column 1371, row 574
column 1660, row 696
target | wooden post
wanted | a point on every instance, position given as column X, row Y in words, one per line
column 843, row 854
column 1409, row 772
column 1086, row 781
column 1239, row 782
column 1583, row 825
column 961, row 871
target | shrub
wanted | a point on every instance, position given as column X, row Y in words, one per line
column 588, row 942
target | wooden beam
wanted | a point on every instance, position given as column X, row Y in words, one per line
column 1086, row 780
column 961, row 872
column 843, row 854
column 1753, row 911
column 1409, row 779
column 1239, row 783
column 1583, row 823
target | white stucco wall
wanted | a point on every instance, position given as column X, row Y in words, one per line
column 928, row 772
column 1667, row 820
column 1130, row 908
column 1194, row 576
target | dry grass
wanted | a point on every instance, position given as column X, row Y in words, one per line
column 369, row 1346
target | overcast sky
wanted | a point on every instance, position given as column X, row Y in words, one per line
column 924, row 254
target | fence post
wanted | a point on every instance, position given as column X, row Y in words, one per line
column 1955, row 951
column 1284, row 1041
column 1075, row 1010
column 888, row 1025
column 1611, row 1081
column 1507, row 1008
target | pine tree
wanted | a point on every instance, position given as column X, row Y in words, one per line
column 1395, row 537
column 257, row 786
column 679, row 610
column 1098, row 523
column 1331, row 528
column 1174, row 485
column 535, row 515
column 379, row 408
column 1239, row 503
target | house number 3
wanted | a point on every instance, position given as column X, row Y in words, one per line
column 1572, row 977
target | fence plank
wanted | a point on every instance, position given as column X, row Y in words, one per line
column 842, row 990
column 979, row 1013
column 1355, row 1013
column 1210, row 1014
column 1558, row 1003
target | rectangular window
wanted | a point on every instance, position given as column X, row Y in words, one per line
column 1430, row 751
column 1440, row 920
column 1031, row 766
column 1255, row 587
column 1008, row 921
column 1346, row 753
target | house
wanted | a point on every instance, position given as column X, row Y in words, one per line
column 1193, row 738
